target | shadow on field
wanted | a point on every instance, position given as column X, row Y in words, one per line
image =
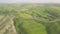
column 20, row 29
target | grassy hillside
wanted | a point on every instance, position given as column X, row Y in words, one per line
column 33, row 19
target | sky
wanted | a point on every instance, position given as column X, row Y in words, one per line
column 29, row 1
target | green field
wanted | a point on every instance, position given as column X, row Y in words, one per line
column 31, row 19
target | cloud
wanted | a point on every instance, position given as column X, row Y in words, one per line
column 29, row 1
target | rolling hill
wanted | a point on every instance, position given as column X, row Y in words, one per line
column 30, row 19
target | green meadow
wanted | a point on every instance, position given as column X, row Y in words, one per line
column 31, row 19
